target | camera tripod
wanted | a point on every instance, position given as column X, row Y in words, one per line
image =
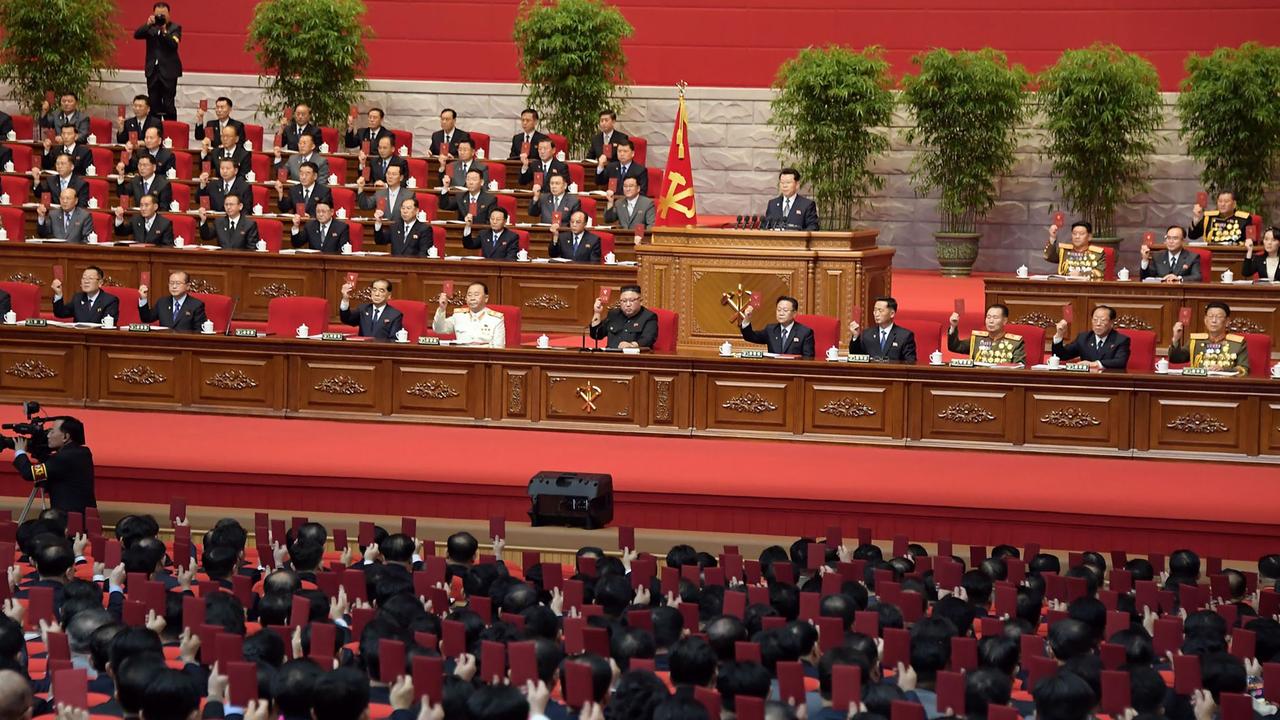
column 44, row 502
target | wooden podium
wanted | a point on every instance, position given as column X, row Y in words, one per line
column 690, row 270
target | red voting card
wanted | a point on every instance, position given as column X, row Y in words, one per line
column 1059, row 218
column 300, row 614
column 177, row 506
column 366, row 533
column 1115, row 692
column 353, row 111
column 340, row 542
column 447, row 288
column 497, row 523
column 282, row 174
column 381, row 204
column 111, row 554
column 959, row 306
column 49, row 134
column 133, row 140
column 228, row 648
column 639, row 231
column 897, row 646
column 364, row 146
column 120, row 110
column 577, row 684
column 810, row 603
column 605, row 294
column 1148, row 239
column 709, row 699
column 846, row 687
column 791, row 681
column 745, row 706
column 288, row 113
column 552, row 576
column 242, row 682
column 950, row 689
column 473, row 208
column 1186, row 674
column 390, row 660
column 746, row 651
column 538, row 177
column 58, row 647
column 408, row 525
column 50, row 98
column 204, row 104
column 135, row 613
column 906, row 710
column 1202, row 199
column 523, row 660
column 1244, row 643
column 75, row 520
column 453, row 642
column 1184, row 316
column 524, row 148
column 755, row 301
column 1069, row 312
column 573, row 594
column 493, row 661
column 556, row 217
column 964, row 653
column 1113, row 656
column 323, row 637
column 46, row 199
column 608, row 151
column 1271, row 682
column 204, row 203
column 626, row 538
column 428, row 677
column 127, row 200
column 1251, row 232
column 71, row 688
column 1236, row 706
column 613, row 184
column 364, row 173
column 206, row 167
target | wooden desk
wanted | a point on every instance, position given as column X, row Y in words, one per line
column 1138, row 305
column 1234, row 419
column 553, row 297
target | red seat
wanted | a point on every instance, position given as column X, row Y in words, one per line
column 337, row 166
column 641, row 147
column 499, row 177
column 217, row 308
column 260, row 164
column 329, row 136
column 655, row 182
column 101, row 129
column 430, row 204
column 24, row 298
column 511, row 322
column 508, row 203
column 128, row 304
column 181, row 195
column 523, row 240
column 285, row 314
column 415, row 316
column 18, row 189
column 589, row 207
column 179, row 132
column 104, row 161
column 420, row 172
column 928, row 336
column 1142, row 350
column 668, row 330
column 254, row 134
column 1109, row 268
column 1259, row 347
column 184, row 226
column 344, row 198
column 262, row 196
column 578, row 175
column 826, row 331
column 103, row 224
column 561, row 143
column 14, row 221
column 184, row 166
column 1206, row 262
column 607, row 243
column 1032, row 340
column 24, row 126
column 21, row 156
column 98, row 190
column 272, row 232
column 356, row 230
column 438, row 239
column 479, row 141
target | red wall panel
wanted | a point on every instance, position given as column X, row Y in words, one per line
column 741, row 44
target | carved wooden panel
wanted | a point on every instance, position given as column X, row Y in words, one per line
column 1191, row 424
column 949, row 414
column 132, row 376
column 237, row 381
column 855, row 408
column 515, row 393
column 262, row 285
column 595, row 397
column 210, row 273
column 119, row 273
column 1077, row 419
column 668, row 400
column 546, row 302
column 709, row 288
column 325, row 385
column 738, row 404
column 1269, row 428
column 31, row 373
column 450, row 391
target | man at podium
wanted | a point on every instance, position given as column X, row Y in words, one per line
column 791, row 210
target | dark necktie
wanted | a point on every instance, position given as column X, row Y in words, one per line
column 177, row 308
column 1097, row 342
column 377, row 313
column 231, row 225
column 576, row 239
column 884, row 337
column 785, row 333
column 306, row 195
column 66, row 225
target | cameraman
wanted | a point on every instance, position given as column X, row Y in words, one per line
column 68, row 473
column 163, row 66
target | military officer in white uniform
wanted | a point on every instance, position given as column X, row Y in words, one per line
column 474, row 324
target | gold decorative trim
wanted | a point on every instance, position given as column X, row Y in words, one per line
column 1037, row 319
column 662, row 400
column 753, row 403
column 231, row 380
column 588, row 394
column 1245, row 325
column 140, row 375
column 275, row 290
column 1131, row 322
column 515, row 394
column 966, row 413
column 1197, row 423
column 204, row 287
column 31, row 370
column 340, row 385
column 110, row 281
column 435, row 389
column 1070, row 417
column 365, row 295
column 847, row 407
column 25, row 277
column 547, row 301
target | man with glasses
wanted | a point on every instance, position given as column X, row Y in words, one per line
column 179, row 312
column 1173, row 264
column 630, row 325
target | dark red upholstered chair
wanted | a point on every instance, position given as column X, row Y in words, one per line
column 655, row 182
column 1142, row 350
column 24, row 126
column 24, row 298
column 22, row 155
column 415, row 316
column 668, row 330
column 356, row 231
column 260, row 164
column 523, row 240
column 1206, row 262
column 826, row 331
column 17, row 188
column 928, row 336
column 1109, row 267
column 420, row 172
column 508, row 203
column 479, row 141
column 128, row 304
column 438, row 239
column 404, row 139
column 561, row 144
column 272, row 232
column 217, row 308
column 14, row 222
column 184, row 166
column 254, row 134
column 337, row 166
column 511, row 320
column 1259, row 347
column 181, row 195
column 578, row 175
column 103, row 224
column 102, row 130
column 103, row 161
column 589, row 207
column 429, row 203
column 1032, row 340
column 285, row 314
column 184, row 226
column 179, row 132
column 641, row 147
column 330, row 137
column 344, row 198
column 97, row 190
column 607, row 243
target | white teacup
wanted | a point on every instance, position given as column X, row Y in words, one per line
column 1123, row 274
column 11, row 317
column 91, row 170
column 726, row 348
column 544, row 342
column 8, row 167
column 610, row 259
column 402, row 335
column 206, row 327
column 833, row 353
column 260, row 246
column 523, row 256
column 432, row 252
column 92, row 139
column 1162, row 365
column 168, row 143
column 346, row 248
column 935, row 357
column 324, row 148
column 341, row 214
column 4, row 197
column 1228, row 276
column 171, row 173
column 179, row 241
column 1275, row 369
column 303, row 331
column 108, row 321
column 1054, row 361
column 251, row 176
column 1023, row 271
column 11, row 136
column 93, row 203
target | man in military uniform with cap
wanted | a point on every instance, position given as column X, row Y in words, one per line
column 1223, row 226
column 1078, row 258
column 992, row 345
column 630, row 325
column 1215, row 349
column 474, row 324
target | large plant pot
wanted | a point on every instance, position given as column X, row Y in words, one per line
column 956, row 253
column 1108, row 241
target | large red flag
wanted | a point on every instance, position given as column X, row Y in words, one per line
column 676, row 206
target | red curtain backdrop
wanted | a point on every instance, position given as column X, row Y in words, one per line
column 741, row 44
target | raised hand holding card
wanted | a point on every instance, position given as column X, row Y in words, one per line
column 1202, row 199
column 1059, row 218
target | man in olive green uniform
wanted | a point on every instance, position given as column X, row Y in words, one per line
column 1223, row 226
column 1078, row 258
column 992, row 345
column 630, row 325
column 1212, row 350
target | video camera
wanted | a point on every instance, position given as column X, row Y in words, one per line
column 33, row 430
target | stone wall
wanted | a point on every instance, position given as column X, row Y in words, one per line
column 735, row 159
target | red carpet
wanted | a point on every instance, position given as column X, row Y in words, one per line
column 690, row 484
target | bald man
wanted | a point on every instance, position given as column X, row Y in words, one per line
column 15, row 696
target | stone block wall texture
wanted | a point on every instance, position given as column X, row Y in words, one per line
column 735, row 159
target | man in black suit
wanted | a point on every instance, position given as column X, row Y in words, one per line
column 89, row 305
column 64, row 177
column 301, row 199
column 163, row 66
column 228, row 147
column 887, row 341
column 474, row 200
column 81, row 157
column 790, row 210
column 68, row 111
column 376, row 319
column 6, row 125
column 1175, row 263
column 148, row 226
column 444, row 142
column 385, row 159
column 631, row 325
column 608, row 136
column 407, row 236
column 1101, row 346
column 495, row 243
column 299, row 126
column 622, row 168
column 6, row 303
column 67, row 475
column 227, row 184
column 545, row 165
column 64, row 221
column 577, row 243
column 179, row 311
column 526, row 141
column 138, row 124
column 371, row 134
column 234, row 231
column 785, row 337
column 213, row 129
column 153, row 145
column 553, row 207
column 146, row 182
column 388, row 195
column 324, row 233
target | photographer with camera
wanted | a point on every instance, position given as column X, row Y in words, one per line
column 163, row 66
column 67, row 473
